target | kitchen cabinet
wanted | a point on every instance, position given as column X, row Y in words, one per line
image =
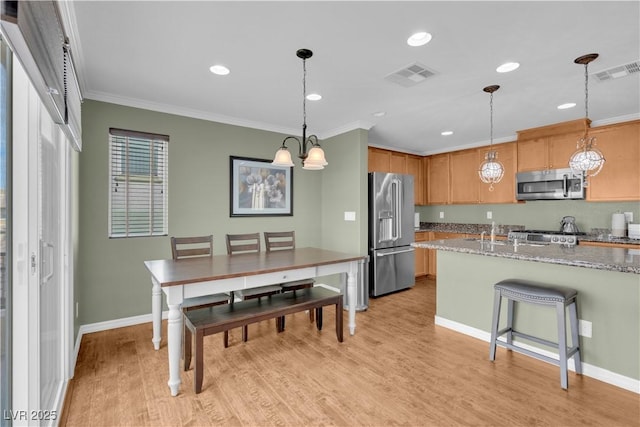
column 422, row 255
column 552, row 152
column 619, row 178
column 415, row 167
column 438, row 179
column 398, row 162
column 466, row 186
column 549, row 147
column 464, row 179
column 379, row 160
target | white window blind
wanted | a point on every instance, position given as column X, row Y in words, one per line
column 138, row 171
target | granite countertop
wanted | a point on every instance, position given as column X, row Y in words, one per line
column 452, row 227
column 601, row 235
column 599, row 258
column 606, row 239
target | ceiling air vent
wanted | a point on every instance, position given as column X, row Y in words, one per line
column 410, row 75
column 619, row 71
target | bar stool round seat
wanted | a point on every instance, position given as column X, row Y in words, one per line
column 524, row 291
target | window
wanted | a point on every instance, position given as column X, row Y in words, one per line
column 138, row 173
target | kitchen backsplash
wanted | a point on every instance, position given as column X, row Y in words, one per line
column 542, row 215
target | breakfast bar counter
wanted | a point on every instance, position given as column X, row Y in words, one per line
column 600, row 258
column 608, row 288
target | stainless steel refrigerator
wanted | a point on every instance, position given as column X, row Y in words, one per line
column 391, row 231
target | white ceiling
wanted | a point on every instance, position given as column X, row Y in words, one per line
column 157, row 54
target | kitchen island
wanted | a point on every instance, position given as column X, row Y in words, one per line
column 607, row 281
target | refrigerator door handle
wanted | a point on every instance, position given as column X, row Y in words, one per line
column 397, row 217
column 394, row 253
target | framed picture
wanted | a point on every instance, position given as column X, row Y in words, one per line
column 259, row 188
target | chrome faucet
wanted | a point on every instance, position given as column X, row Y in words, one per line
column 493, row 231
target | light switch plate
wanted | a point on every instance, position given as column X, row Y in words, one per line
column 349, row 216
column 441, row 215
column 489, row 215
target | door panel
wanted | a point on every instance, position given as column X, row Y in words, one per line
column 393, row 269
column 50, row 271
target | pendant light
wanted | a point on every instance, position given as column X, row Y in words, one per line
column 491, row 170
column 309, row 149
column 587, row 159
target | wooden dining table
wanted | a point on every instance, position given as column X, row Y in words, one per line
column 188, row 278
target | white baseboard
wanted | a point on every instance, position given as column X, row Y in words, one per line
column 112, row 324
column 592, row 371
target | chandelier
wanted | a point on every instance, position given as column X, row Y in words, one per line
column 491, row 170
column 587, row 159
column 309, row 150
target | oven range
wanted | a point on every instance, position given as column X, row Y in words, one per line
column 544, row 237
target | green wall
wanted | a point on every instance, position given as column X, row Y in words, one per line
column 542, row 214
column 111, row 281
column 346, row 186
column 610, row 300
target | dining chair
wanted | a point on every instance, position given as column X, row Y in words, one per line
column 286, row 241
column 197, row 247
column 243, row 244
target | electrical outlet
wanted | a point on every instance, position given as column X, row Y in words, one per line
column 349, row 216
column 441, row 215
column 489, row 215
column 77, row 309
column 584, row 328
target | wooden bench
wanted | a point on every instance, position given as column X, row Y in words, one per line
column 207, row 321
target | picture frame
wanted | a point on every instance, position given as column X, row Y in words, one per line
column 258, row 188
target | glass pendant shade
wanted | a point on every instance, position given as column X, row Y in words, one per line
column 315, row 159
column 587, row 159
column 282, row 158
column 491, row 170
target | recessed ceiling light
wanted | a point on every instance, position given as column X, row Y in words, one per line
column 379, row 114
column 419, row 39
column 508, row 66
column 567, row 105
column 447, row 133
column 314, row 97
column 220, row 70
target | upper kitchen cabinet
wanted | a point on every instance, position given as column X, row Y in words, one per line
column 415, row 167
column 379, row 160
column 464, row 179
column 548, row 147
column 505, row 190
column 619, row 178
column 466, row 186
column 438, row 179
column 398, row 162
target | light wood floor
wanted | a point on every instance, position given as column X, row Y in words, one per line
column 398, row 369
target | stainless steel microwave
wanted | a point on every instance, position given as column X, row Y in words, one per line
column 550, row 184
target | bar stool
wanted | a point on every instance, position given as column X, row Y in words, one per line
column 534, row 293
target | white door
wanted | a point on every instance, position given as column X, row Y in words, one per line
column 51, row 302
column 40, row 293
